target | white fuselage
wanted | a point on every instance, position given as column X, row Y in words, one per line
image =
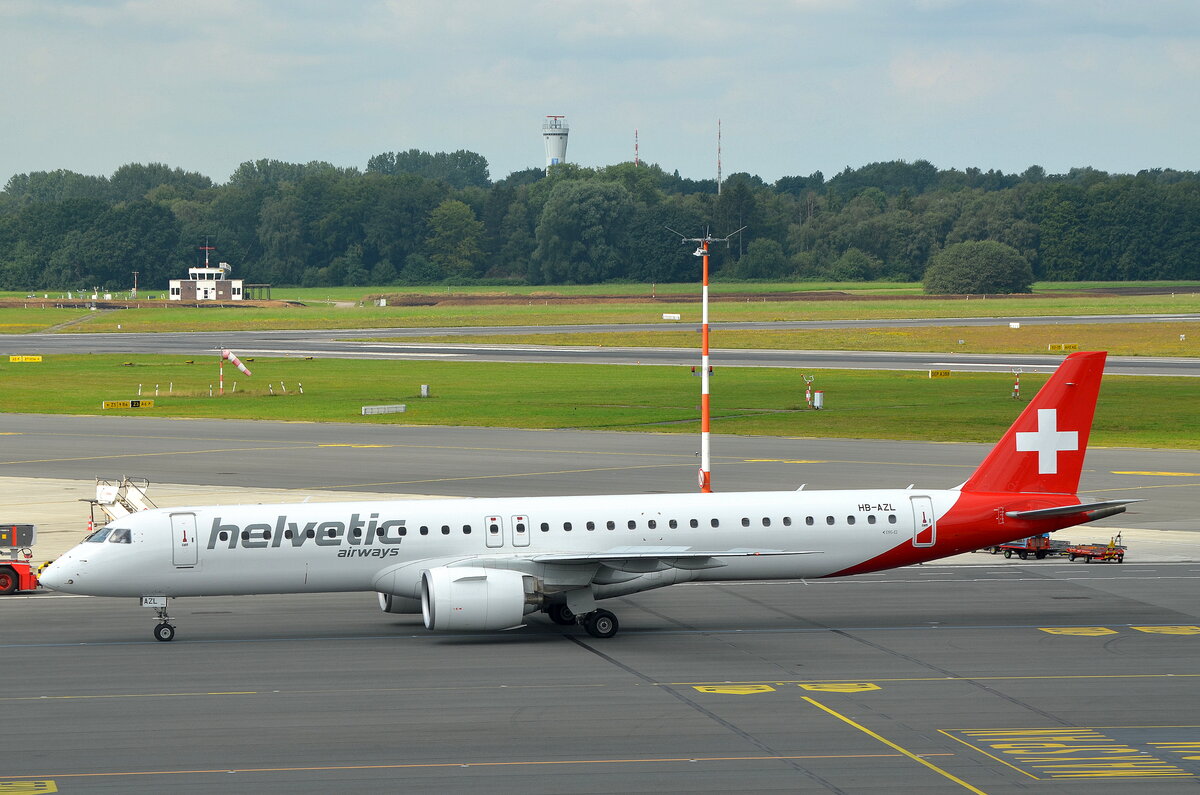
column 383, row 546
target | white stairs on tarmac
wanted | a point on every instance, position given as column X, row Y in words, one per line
column 123, row 497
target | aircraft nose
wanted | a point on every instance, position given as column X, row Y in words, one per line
column 57, row 576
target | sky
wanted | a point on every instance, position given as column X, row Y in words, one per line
column 797, row 85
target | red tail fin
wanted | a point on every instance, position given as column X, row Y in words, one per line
column 1043, row 450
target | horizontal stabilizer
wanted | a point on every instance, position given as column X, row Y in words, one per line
column 1068, row 510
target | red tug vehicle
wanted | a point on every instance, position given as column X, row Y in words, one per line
column 16, row 570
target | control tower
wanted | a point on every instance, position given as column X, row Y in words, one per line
column 554, row 133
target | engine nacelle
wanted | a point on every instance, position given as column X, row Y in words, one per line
column 472, row 598
column 390, row 603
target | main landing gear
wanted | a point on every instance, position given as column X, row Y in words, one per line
column 598, row 623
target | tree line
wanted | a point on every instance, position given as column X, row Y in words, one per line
column 422, row 218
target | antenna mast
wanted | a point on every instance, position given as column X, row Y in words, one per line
column 636, row 161
column 718, row 157
column 705, row 414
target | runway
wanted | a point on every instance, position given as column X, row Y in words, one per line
column 996, row 677
column 350, row 343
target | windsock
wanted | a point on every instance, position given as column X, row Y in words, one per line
column 234, row 360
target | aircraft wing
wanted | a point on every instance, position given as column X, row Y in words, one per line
column 647, row 559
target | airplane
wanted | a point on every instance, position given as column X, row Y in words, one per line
column 479, row 564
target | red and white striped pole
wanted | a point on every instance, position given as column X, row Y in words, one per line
column 705, row 461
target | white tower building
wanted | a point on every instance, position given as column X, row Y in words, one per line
column 554, row 133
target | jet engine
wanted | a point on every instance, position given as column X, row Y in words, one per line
column 473, row 598
column 390, row 603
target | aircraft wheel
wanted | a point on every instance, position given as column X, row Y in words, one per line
column 561, row 614
column 601, row 624
column 8, row 580
column 164, row 632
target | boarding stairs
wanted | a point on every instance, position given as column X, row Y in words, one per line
column 126, row 496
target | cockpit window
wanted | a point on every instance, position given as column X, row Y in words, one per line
column 120, row 536
column 99, row 535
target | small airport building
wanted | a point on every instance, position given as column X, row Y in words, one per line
column 207, row 284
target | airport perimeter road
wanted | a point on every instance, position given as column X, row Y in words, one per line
column 339, row 344
column 1057, row 678
column 487, row 462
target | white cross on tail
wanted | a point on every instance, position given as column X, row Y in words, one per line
column 1047, row 441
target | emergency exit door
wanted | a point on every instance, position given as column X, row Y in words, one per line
column 493, row 531
column 924, row 522
column 184, row 544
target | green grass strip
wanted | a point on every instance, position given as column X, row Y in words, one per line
column 969, row 407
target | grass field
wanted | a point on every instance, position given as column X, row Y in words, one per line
column 543, row 312
column 860, row 404
column 1119, row 339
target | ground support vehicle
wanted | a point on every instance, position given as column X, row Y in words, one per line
column 16, row 570
column 1033, row 547
column 1112, row 552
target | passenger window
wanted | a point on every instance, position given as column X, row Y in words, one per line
column 357, row 533
column 224, row 536
column 311, row 533
column 766, row 522
column 787, row 521
column 715, row 522
column 632, row 525
column 288, row 533
column 745, row 522
column 828, row 520
column 611, row 525
column 591, row 525
column 567, row 526
column 870, row 518
column 672, row 524
column 246, row 535
column 403, row 531
column 808, row 520
column 694, row 523
column 652, row 524
column 445, row 529
column 891, row 518
column 466, row 529
column 267, row 535
column 545, row 527
column 424, row 530
column 493, row 528
column 849, row 520
column 120, row 536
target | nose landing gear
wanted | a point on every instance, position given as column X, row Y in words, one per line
column 164, row 630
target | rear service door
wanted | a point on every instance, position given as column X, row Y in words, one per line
column 520, row 531
column 184, row 544
column 493, row 530
column 924, row 523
